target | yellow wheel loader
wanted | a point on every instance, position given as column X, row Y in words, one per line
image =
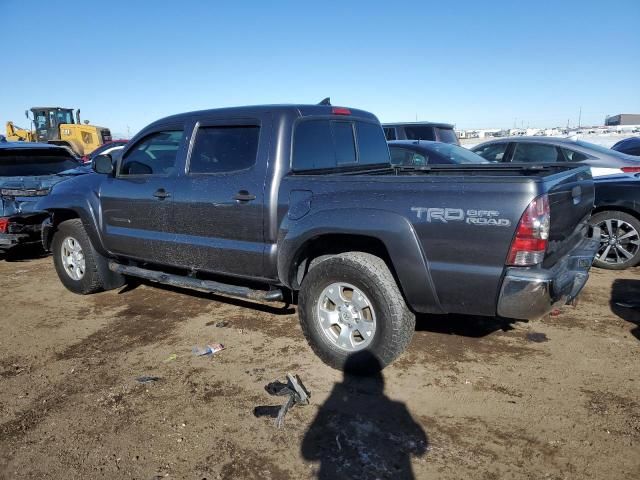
column 56, row 125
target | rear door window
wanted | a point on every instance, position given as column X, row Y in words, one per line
column 494, row 152
column 222, row 149
column 536, row 153
column 405, row 157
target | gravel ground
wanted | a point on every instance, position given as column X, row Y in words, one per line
column 472, row 398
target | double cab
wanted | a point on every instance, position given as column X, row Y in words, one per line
column 300, row 203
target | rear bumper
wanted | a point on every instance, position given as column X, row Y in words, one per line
column 531, row 293
column 9, row 240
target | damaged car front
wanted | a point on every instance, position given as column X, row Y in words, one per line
column 28, row 172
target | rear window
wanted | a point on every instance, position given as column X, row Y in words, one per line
column 447, row 135
column 322, row 144
column 371, row 144
column 345, row 144
column 25, row 162
column 420, row 132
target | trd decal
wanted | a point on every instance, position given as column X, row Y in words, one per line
column 471, row 216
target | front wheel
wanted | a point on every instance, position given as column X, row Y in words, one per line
column 80, row 268
column 620, row 240
column 353, row 314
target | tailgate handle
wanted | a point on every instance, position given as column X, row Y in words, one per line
column 161, row 193
column 243, row 196
column 576, row 193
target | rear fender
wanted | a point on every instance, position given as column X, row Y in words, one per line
column 396, row 233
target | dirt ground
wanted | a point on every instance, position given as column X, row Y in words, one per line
column 472, row 398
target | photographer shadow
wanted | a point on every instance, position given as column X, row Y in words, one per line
column 361, row 433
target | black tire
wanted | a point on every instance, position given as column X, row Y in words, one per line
column 97, row 276
column 395, row 323
column 600, row 218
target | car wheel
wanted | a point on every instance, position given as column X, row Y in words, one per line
column 350, row 304
column 620, row 240
column 80, row 268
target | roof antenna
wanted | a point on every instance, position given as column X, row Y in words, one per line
column 326, row 101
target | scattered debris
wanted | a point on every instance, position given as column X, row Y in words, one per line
column 147, row 379
column 555, row 312
column 170, row 358
column 628, row 304
column 208, row 349
column 537, row 337
column 222, row 324
column 296, row 392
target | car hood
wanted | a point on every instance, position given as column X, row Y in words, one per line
column 30, row 190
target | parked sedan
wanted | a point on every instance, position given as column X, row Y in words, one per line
column 420, row 153
column 28, row 171
column 630, row 146
column 603, row 161
column 617, row 213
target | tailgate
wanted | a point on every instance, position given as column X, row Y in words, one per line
column 571, row 197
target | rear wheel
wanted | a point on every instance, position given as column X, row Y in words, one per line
column 353, row 314
column 620, row 240
column 80, row 268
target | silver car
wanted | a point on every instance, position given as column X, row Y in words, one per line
column 603, row 161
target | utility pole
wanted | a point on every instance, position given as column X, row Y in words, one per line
column 580, row 118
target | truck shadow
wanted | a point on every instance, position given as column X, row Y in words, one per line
column 23, row 254
column 625, row 302
column 464, row 325
column 359, row 432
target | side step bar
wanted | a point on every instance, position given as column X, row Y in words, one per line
column 205, row 285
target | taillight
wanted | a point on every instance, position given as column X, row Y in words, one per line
column 631, row 169
column 340, row 111
column 4, row 224
column 532, row 235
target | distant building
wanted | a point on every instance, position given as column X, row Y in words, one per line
column 622, row 119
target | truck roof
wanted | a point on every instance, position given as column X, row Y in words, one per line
column 426, row 124
column 297, row 110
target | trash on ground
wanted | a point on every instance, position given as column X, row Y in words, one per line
column 170, row 358
column 147, row 379
column 222, row 324
column 537, row 337
column 628, row 304
column 296, row 392
column 208, row 349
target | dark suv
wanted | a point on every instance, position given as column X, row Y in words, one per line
column 435, row 132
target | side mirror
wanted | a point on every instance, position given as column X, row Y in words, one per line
column 103, row 164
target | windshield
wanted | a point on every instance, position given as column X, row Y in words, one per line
column 605, row 150
column 25, row 162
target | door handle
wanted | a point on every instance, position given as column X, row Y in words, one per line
column 244, row 196
column 161, row 193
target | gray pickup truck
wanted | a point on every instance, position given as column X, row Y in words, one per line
column 300, row 201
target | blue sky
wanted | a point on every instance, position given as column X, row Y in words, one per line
column 475, row 64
